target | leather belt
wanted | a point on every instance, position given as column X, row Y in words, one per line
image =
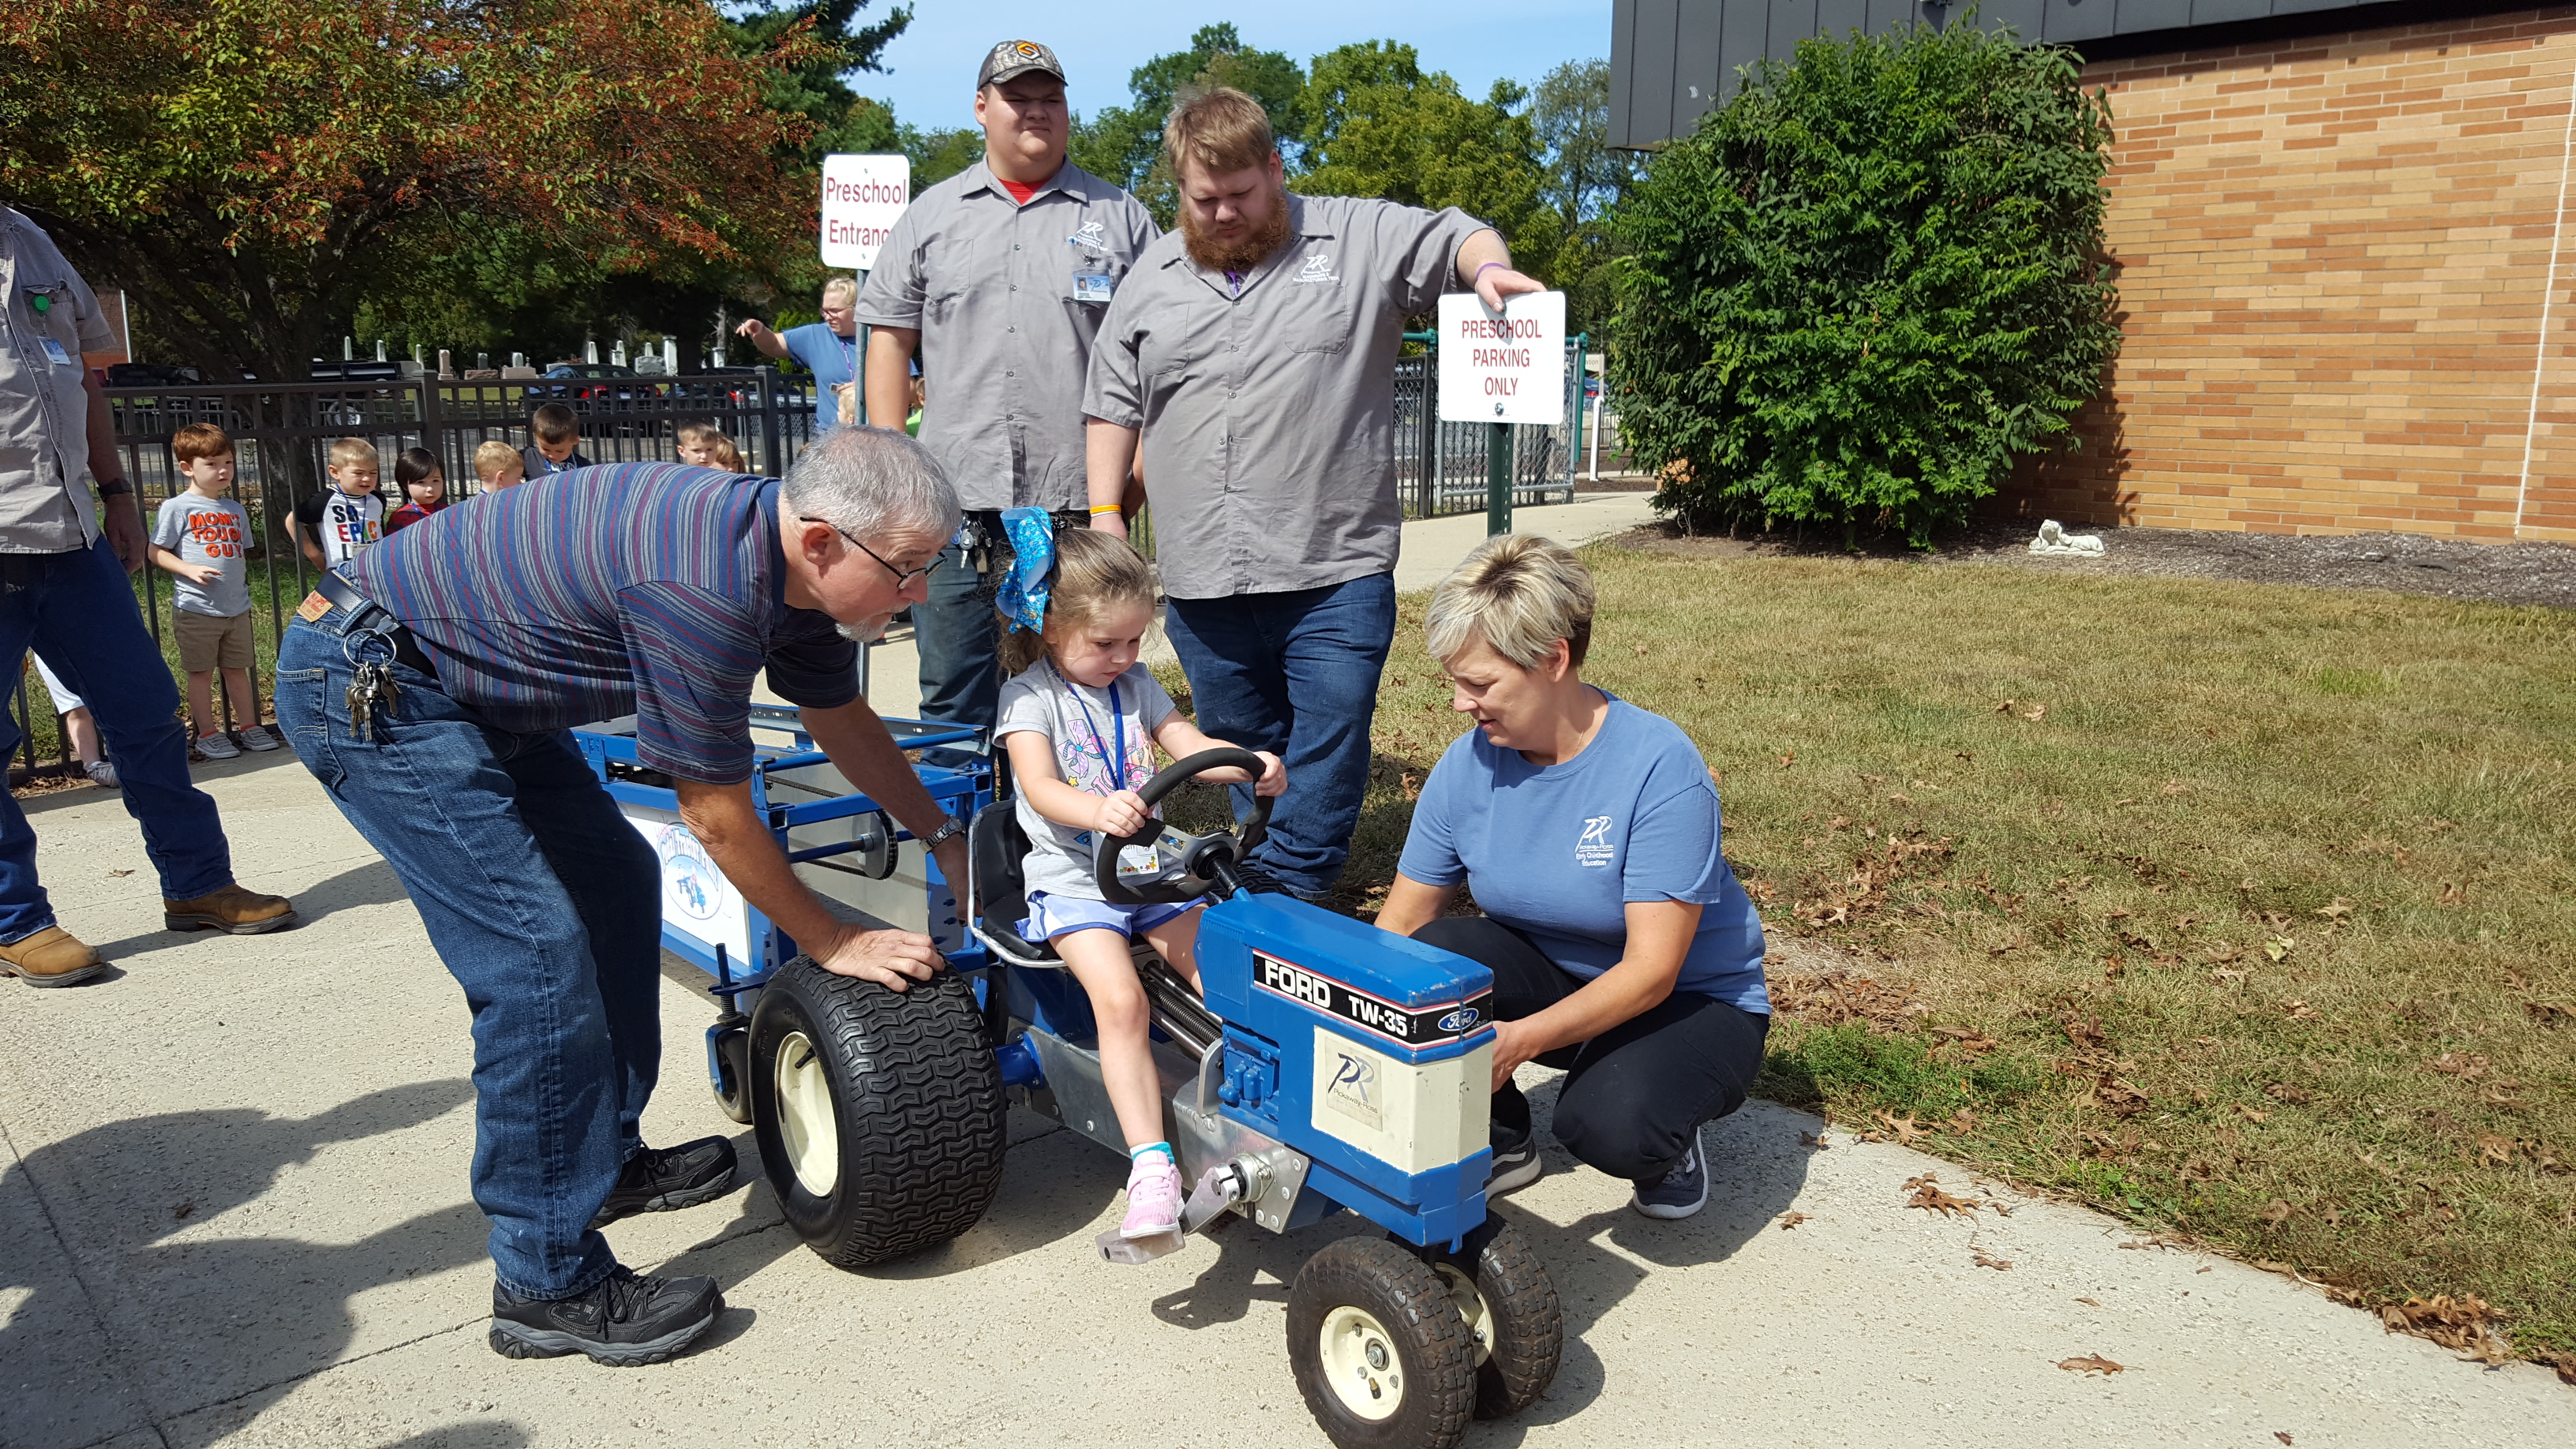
column 341, row 595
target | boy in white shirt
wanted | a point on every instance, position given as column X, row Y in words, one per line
column 347, row 516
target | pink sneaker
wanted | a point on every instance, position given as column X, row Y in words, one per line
column 1153, row 1199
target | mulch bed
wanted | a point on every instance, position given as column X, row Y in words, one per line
column 2496, row 573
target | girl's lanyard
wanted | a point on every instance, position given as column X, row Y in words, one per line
column 1117, row 726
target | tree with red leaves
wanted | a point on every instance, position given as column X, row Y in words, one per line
column 249, row 169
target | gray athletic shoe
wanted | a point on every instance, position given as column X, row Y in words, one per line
column 1678, row 1193
column 102, row 773
column 626, row 1320
column 1515, row 1167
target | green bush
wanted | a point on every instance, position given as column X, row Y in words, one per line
column 1868, row 283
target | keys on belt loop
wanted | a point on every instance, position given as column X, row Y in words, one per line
column 371, row 685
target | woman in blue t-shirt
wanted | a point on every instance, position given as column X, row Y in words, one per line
column 1622, row 948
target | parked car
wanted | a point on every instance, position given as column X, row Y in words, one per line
column 150, row 374
column 581, row 383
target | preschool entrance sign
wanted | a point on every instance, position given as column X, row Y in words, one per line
column 862, row 196
column 1502, row 369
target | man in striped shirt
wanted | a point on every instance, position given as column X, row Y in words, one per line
column 652, row 589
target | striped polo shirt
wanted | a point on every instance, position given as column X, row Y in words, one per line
column 651, row 589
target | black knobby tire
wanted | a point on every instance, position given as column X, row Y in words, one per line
column 1525, row 1326
column 1434, row 1390
column 915, row 1110
column 732, row 1085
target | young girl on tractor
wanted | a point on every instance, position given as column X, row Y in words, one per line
column 1080, row 718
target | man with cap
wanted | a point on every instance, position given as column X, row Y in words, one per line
column 1253, row 353
column 1000, row 276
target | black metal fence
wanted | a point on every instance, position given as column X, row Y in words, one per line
column 1441, row 468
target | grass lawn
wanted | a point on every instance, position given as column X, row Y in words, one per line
column 2250, row 918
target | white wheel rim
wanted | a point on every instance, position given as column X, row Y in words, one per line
column 1471, row 1307
column 805, row 1122
column 1360, row 1363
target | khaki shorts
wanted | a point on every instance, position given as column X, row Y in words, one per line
column 206, row 642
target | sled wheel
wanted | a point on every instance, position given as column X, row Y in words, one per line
column 729, row 1067
column 878, row 1112
column 1379, row 1350
column 1509, row 1306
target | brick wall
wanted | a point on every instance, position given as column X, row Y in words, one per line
column 2334, row 258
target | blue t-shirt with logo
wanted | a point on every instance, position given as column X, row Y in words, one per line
column 1559, row 851
column 833, row 359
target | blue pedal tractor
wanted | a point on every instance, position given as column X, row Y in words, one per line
column 1331, row 1066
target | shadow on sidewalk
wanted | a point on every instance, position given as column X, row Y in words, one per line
column 188, row 1317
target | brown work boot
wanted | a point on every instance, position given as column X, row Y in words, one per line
column 241, row 912
column 51, row 957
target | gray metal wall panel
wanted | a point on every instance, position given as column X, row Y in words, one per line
column 2137, row 15
column 1624, row 130
column 2073, row 20
column 2219, row 12
column 1839, row 18
column 2024, row 16
column 1699, row 58
column 2301, row 7
column 1886, row 14
column 1743, row 37
column 1791, row 22
column 1658, row 24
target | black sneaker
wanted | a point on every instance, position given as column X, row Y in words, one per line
column 1678, row 1193
column 662, row 1180
column 1516, row 1166
column 626, row 1320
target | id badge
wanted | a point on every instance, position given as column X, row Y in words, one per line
column 1093, row 286
column 54, row 353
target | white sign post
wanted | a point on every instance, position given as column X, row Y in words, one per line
column 1501, row 370
column 862, row 196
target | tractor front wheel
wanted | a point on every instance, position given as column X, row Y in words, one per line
column 1509, row 1304
column 1378, row 1349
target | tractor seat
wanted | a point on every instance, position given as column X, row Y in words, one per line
column 996, row 848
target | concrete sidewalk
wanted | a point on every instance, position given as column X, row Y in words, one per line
column 234, row 1203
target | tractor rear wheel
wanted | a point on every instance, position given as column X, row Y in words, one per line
column 1378, row 1349
column 1503, row 1292
column 878, row 1112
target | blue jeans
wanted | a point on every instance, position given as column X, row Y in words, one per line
column 78, row 606
column 1295, row 674
column 956, row 633
column 545, row 906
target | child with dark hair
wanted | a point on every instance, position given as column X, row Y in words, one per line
column 424, row 487
column 554, row 433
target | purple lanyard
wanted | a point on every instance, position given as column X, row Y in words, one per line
column 1117, row 726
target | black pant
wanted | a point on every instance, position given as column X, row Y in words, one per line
column 1635, row 1095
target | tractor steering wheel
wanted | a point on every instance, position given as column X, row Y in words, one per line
column 1196, row 852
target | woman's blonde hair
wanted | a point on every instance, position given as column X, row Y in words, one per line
column 1519, row 593
column 1094, row 572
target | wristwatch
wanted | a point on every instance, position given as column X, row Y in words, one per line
column 945, row 833
column 112, row 487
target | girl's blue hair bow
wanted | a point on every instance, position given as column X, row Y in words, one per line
column 1022, row 595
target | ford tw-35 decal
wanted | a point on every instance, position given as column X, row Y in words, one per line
column 1430, row 1026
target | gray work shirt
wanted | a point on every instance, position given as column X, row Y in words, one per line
column 1269, row 413
column 44, row 412
column 1007, row 297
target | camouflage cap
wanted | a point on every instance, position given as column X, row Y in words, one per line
column 1014, row 58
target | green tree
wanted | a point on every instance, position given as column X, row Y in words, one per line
column 1124, row 144
column 250, row 170
column 1583, row 180
column 1869, row 283
column 1376, row 124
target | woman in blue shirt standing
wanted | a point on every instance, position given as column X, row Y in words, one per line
column 1622, row 947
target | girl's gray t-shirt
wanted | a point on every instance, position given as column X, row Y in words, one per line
column 1085, row 730
column 203, row 530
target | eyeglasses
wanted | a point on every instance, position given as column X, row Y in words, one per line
column 902, row 577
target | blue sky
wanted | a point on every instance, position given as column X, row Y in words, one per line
column 931, row 79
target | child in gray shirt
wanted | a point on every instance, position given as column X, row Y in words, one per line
column 198, row 539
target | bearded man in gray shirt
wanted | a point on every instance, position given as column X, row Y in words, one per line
column 1251, row 353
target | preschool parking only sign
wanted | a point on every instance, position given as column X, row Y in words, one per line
column 1502, row 369
column 862, row 196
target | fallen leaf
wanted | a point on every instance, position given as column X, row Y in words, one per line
column 2091, row 1363
column 1788, row 759
column 2174, row 787
column 2278, row 947
column 1962, row 1122
column 1873, row 779
column 1978, row 1257
column 2276, row 1214
column 2005, row 707
column 1929, row 1197
column 2252, row 1115
column 2281, row 1435
column 2494, row 1149
column 1791, row 1220
column 2096, row 1302
column 1641, row 649
column 2116, row 913
column 2299, row 1009
column 2454, row 895
column 1813, row 1140
column 114, row 874
column 1904, row 1129
column 2284, row 1092
column 2124, row 800
column 2340, row 909
column 2466, row 1068
column 1412, row 786
column 1899, row 797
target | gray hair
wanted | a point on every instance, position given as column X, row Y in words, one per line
column 869, row 482
column 1519, row 593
